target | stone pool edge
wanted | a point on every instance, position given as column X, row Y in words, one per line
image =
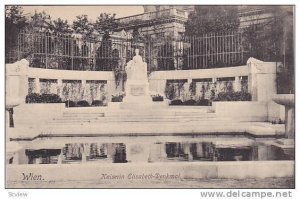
column 185, row 170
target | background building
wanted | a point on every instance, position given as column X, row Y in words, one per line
column 169, row 20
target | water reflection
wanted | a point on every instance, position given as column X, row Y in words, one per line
column 71, row 153
column 190, row 151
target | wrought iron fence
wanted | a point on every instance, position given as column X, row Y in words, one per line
column 75, row 52
column 72, row 52
column 208, row 51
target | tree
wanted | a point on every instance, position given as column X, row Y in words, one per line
column 203, row 22
column 14, row 16
column 106, row 23
column 14, row 22
column 83, row 26
column 107, row 59
column 60, row 26
column 266, row 40
column 212, row 19
column 273, row 41
column 39, row 22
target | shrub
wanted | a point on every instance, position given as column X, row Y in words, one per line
column 50, row 98
column 97, row 103
column 233, row 96
column 244, row 96
column 170, row 91
column 70, row 103
column 117, row 98
column 42, row 98
column 82, row 103
column 190, row 102
column 176, row 102
column 223, row 96
column 33, row 98
column 157, row 98
column 203, row 102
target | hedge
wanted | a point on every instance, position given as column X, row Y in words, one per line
column 42, row 98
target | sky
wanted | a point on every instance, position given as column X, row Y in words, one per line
column 70, row 12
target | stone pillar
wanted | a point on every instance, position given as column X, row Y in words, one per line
column 163, row 153
column 162, row 86
column 83, row 155
column 200, row 150
column 252, row 82
column 59, row 87
column 152, row 154
column 24, row 87
column 82, row 91
column 7, row 114
column 111, row 89
column 237, row 83
column 128, row 152
column 262, row 79
column 187, row 88
column 16, row 158
column 290, row 122
column 186, row 149
column 214, row 79
column 60, row 157
column 37, row 85
column 146, row 152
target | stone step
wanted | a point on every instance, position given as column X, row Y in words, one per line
column 117, row 110
column 118, row 120
column 116, row 123
column 84, row 117
column 139, row 114
column 145, row 117
column 83, row 113
column 130, row 120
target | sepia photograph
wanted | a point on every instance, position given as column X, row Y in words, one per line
column 149, row 96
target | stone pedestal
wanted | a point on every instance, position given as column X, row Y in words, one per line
column 16, row 79
column 137, row 85
column 288, row 101
column 137, row 96
column 157, row 153
column 287, row 144
column 290, row 122
column 137, row 153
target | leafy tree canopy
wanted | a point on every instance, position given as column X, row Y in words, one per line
column 82, row 25
column 212, row 19
column 14, row 22
column 14, row 16
column 40, row 21
column 106, row 24
column 60, row 26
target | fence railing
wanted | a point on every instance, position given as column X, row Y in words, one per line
column 208, row 51
column 74, row 52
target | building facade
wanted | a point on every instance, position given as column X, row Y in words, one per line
column 169, row 20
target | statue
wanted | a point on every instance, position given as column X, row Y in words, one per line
column 136, row 69
column 137, row 94
column 137, row 85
